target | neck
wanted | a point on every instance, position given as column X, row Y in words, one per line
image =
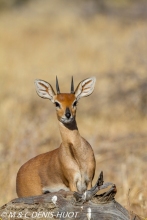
column 70, row 134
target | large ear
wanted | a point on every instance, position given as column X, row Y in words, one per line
column 85, row 88
column 44, row 90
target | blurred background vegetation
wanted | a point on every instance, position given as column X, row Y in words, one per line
column 104, row 38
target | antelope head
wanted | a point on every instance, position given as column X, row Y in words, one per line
column 65, row 103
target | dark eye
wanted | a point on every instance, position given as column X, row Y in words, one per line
column 57, row 105
column 75, row 104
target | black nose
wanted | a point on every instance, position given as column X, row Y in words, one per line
column 68, row 115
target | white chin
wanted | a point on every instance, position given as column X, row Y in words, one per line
column 67, row 121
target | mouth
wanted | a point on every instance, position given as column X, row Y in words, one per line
column 67, row 120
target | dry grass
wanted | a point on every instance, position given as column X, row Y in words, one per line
column 41, row 40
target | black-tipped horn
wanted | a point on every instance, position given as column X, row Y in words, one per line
column 57, row 86
column 72, row 86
